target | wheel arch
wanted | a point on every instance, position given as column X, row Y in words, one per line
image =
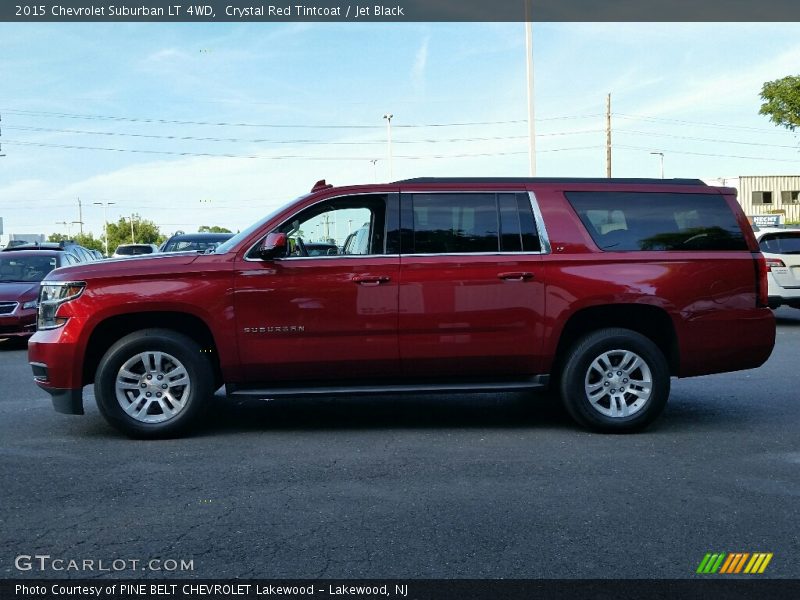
column 112, row 329
column 651, row 321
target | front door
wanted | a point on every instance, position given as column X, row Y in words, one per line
column 328, row 309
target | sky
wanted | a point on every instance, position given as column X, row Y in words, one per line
column 196, row 124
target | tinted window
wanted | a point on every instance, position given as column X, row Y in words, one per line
column 781, row 243
column 517, row 228
column 658, row 221
column 466, row 222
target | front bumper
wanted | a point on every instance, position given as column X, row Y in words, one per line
column 20, row 324
column 55, row 358
column 65, row 401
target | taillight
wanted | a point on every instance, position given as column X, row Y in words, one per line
column 762, row 292
column 774, row 263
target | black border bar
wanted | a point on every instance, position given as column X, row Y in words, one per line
column 716, row 587
column 283, row 11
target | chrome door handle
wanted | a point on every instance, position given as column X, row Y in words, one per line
column 515, row 276
column 371, row 279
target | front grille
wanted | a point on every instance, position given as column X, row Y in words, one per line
column 6, row 308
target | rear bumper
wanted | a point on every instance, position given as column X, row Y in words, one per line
column 726, row 341
column 776, row 301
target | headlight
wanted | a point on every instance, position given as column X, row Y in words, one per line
column 53, row 295
column 30, row 304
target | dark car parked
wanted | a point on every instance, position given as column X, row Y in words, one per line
column 20, row 274
column 78, row 251
column 197, row 242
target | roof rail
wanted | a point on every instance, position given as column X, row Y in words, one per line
column 632, row 180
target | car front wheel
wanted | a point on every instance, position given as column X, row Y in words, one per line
column 615, row 380
column 153, row 383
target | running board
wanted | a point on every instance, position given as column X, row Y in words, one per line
column 538, row 382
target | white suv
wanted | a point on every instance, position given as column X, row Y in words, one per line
column 781, row 248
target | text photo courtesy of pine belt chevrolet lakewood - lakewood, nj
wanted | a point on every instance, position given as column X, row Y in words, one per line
column 430, row 300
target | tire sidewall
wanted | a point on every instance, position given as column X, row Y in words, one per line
column 585, row 352
column 182, row 348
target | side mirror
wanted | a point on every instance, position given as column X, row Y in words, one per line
column 273, row 245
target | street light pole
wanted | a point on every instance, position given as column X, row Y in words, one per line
column 105, row 204
column 661, row 159
column 388, row 117
column 529, row 70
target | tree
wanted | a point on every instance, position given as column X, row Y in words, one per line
column 87, row 240
column 213, row 229
column 782, row 101
column 144, row 232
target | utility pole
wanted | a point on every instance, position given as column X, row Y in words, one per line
column 105, row 204
column 608, row 135
column 80, row 214
column 388, row 117
column 661, row 158
column 529, row 66
column 133, row 239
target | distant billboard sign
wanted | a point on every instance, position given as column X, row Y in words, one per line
column 766, row 220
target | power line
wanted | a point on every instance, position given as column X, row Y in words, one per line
column 697, row 123
column 258, row 157
column 794, row 160
column 271, row 125
column 294, row 141
column 699, row 139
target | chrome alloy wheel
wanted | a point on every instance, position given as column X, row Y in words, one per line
column 152, row 387
column 618, row 383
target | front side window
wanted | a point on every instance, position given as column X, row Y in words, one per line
column 459, row 223
column 349, row 226
column 621, row 221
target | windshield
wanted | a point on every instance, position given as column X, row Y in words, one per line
column 25, row 268
column 244, row 234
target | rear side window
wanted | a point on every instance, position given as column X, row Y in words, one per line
column 619, row 221
column 458, row 223
column 781, row 243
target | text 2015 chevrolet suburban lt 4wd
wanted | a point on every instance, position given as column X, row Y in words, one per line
column 602, row 288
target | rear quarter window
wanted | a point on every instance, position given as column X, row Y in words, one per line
column 629, row 221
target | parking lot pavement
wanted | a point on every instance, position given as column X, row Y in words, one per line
column 493, row 485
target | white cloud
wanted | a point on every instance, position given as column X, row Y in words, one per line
column 419, row 66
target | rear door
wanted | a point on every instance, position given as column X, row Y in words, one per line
column 471, row 293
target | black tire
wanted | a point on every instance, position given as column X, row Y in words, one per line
column 627, row 410
column 150, row 416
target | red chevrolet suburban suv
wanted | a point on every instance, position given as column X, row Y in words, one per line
column 603, row 289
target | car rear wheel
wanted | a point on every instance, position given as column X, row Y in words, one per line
column 153, row 383
column 615, row 380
